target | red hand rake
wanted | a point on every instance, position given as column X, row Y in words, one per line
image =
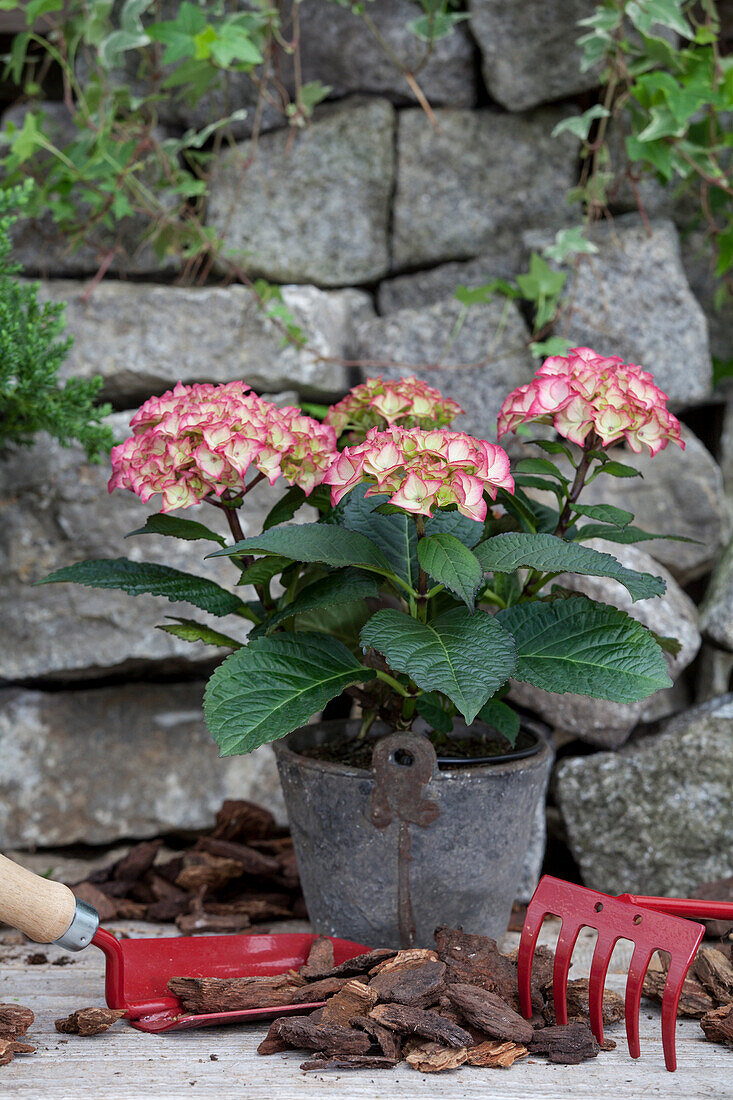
column 652, row 924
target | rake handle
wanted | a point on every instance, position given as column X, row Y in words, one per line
column 692, row 908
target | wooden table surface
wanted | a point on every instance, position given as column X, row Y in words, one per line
column 222, row 1062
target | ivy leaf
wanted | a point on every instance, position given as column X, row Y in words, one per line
column 548, row 553
column 160, row 523
column 542, row 286
column 191, row 631
column 312, row 542
column 569, row 242
column 234, row 43
column 436, row 25
column 586, row 648
column 275, row 684
column 452, row 564
column 579, row 125
column 645, row 13
column 178, row 35
column 501, row 717
column 138, row 577
column 473, row 296
column 466, row 657
column 336, row 588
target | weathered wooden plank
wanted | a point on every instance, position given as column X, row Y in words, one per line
column 124, row 1064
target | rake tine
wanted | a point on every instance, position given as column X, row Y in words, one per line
column 563, row 954
column 679, row 964
column 637, row 971
column 598, row 970
column 536, row 913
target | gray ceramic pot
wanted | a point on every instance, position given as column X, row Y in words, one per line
column 387, row 855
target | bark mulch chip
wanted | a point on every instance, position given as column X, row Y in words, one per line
column 10, row 1047
column 229, row 880
column 14, row 1021
column 569, row 1044
column 489, row 1013
column 89, row 1021
column 416, row 983
column 718, row 1025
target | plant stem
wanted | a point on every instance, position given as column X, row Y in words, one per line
column 393, row 683
column 422, row 577
column 578, row 483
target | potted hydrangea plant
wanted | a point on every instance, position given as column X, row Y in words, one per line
column 421, row 589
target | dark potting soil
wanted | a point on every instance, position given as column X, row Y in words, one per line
column 468, row 751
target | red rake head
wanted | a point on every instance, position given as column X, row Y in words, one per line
column 614, row 919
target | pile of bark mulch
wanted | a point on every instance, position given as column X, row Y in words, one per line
column 434, row 1009
column 239, row 875
column 14, row 1023
column 707, row 991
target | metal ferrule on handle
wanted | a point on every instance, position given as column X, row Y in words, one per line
column 81, row 931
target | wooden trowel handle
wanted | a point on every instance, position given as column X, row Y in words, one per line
column 43, row 910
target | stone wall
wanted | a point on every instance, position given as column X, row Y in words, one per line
column 370, row 218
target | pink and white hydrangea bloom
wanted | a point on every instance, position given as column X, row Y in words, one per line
column 584, row 392
column 424, row 469
column 404, row 402
column 200, row 440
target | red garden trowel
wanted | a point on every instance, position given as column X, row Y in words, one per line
column 652, row 924
column 138, row 970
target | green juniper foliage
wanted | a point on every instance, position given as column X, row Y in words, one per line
column 32, row 348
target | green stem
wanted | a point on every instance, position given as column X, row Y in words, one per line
column 581, row 472
column 489, row 596
column 422, row 577
column 393, row 683
column 408, row 709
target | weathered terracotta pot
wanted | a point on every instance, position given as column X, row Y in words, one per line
column 387, row 855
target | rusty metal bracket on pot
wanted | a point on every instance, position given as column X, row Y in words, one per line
column 402, row 765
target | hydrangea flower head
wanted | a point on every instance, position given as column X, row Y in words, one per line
column 423, row 469
column 584, row 392
column 199, row 440
column 405, row 402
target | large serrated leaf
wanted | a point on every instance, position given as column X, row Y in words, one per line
column 275, row 684
column 548, row 553
column 626, row 535
column 396, row 535
column 586, row 648
column 502, row 718
column 450, row 563
column 190, row 631
column 465, row 656
column 262, row 570
column 335, row 589
column 138, row 577
column 285, row 508
column 605, row 513
column 313, row 542
column 160, row 523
